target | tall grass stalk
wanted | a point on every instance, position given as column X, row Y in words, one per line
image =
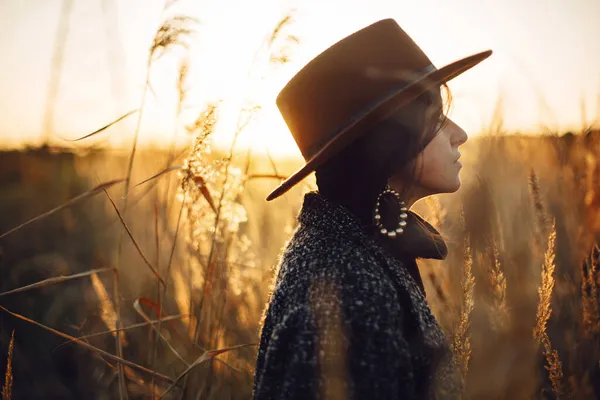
column 182, row 90
column 169, row 34
column 461, row 342
column 544, row 311
column 590, row 301
column 499, row 312
column 245, row 116
column 536, row 197
column 83, row 343
column 8, row 377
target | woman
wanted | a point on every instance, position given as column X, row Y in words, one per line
column 347, row 316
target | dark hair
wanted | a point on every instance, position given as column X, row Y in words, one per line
column 355, row 176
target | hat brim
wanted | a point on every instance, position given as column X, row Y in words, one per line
column 377, row 112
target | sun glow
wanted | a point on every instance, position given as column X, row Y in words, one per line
column 103, row 70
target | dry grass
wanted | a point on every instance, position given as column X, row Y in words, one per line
column 500, row 313
column 491, row 311
column 180, row 317
column 461, row 343
column 8, row 377
column 589, row 288
column 544, row 311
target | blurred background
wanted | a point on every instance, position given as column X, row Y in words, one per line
column 139, row 139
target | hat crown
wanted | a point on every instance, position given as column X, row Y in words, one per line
column 347, row 78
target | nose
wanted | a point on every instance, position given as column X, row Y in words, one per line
column 459, row 136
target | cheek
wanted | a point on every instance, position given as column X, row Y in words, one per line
column 433, row 170
column 438, row 174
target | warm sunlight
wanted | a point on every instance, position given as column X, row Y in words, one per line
column 161, row 235
column 531, row 81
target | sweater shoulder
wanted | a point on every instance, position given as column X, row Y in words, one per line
column 318, row 262
column 315, row 252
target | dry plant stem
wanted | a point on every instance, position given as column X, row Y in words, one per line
column 141, row 253
column 57, row 63
column 498, row 283
column 154, row 345
column 97, row 189
column 8, row 377
column 173, row 247
column 120, row 360
column 135, row 136
column 54, row 281
column 134, row 326
column 68, row 203
column 591, row 302
column 209, row 261
column 544, row 311
column 105, row 127
column 462, row 337
column 157, row 247
column 538, row 204
column 164, row 171
column 168, row 34
column 118, row 342
column 545, row 290
column 168, row 270
column 248, row 161
column 190, row 291
column 265, row 176
column 138, row 309
column 208, row 355
column 171, row 157
column 219, row 318
column 239, row 128
column 122, row 386
column 272, row 162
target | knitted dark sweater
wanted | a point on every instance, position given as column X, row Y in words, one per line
column 346, row 319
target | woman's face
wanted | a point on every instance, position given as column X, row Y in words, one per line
column 438, row 165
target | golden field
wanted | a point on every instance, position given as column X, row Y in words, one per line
column 517, row 295
column 144, row 273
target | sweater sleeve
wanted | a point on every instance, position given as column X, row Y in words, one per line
column 346, row 346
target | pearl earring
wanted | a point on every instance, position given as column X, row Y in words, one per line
column 402, row 217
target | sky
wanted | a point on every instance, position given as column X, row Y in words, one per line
column 545, row 70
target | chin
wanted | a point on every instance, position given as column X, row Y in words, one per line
column 448, row 186
column 453, row 187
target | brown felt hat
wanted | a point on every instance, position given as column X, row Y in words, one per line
column 348, row 88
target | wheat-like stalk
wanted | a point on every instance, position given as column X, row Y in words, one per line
column 281, row 55
column 547, row 285
column 107, row 310
column 182, row 86
column 554, row 367
column 544, row 311
column 172, row 32
column 540, row 211
column 8, row 377
column 498, row 284
column 590, row 300
column 461, row 343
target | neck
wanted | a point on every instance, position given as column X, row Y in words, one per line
column 414, row 194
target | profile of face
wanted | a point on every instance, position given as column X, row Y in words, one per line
column 439, row 160
column 436, row 166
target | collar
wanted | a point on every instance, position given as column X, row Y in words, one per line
column 419, row 240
